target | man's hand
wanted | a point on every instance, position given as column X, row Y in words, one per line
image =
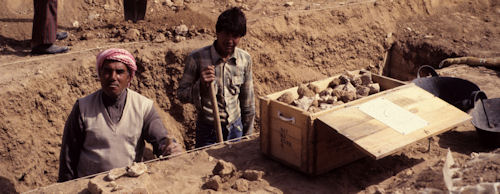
column 171, row 148
column 208, row 74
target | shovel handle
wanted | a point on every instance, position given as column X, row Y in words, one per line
column 215, row 109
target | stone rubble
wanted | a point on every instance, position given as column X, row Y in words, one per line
column 225, row 177
column 346, row 87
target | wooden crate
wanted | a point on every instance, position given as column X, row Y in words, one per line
column 300, row 140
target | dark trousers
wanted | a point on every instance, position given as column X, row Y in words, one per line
column 44, row 22
column 134, row 9
column 207, row 135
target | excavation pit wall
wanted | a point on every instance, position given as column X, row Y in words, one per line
column 43, row 102
column 403, row 59
column 287, row 48
column 34, row 110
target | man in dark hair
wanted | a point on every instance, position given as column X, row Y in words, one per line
column 231, row 70
column 232, row 21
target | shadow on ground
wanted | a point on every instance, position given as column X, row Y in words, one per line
column 14, row 47
column 6, row 186
column 464, row 142
column 21, row 48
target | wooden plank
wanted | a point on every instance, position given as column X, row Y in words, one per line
column 309, row 151
column 264, row 130
column 437, row 126
column 333, row 149
column 359, row 124
column 379, row 140
column 304, row 144
column 386, row 82
column 282, row 112
column 287, row 130
column 298, row 144
column 286, row 142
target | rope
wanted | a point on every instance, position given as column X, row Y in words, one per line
column 178, row 154
column 70, row 53
column 280, row 13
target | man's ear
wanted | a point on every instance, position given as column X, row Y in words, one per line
column 129, row 81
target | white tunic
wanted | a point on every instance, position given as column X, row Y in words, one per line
column 111, row 145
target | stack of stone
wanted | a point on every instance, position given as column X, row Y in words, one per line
column 342, row 89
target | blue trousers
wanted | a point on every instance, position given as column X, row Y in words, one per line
column 206, row 134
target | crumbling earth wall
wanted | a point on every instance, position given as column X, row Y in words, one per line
column 294, row 44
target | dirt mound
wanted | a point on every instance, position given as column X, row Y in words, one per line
column 289, row 44
column 408, row 171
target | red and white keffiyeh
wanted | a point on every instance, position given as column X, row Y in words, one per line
column 117, row 54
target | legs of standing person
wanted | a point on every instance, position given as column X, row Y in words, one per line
column 134, row 9
column 129, row 10
column 45, row 28
column 235, row 129
column 141, row 9
column 44, row 22
column 206, row 134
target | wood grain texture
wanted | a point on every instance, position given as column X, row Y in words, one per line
column 379, row 140
column 300, row 144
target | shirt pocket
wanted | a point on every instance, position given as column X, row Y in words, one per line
column 235, row 84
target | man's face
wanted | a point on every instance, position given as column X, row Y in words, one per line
column 226, row 42
column 114, row 77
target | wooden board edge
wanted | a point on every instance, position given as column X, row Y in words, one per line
column 377, row 157
column 265, row 136
column 309, row 146
column 387, row 82
column 288, row 164
column 358, row 101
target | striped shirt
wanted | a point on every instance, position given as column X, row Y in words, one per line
column 234, row 86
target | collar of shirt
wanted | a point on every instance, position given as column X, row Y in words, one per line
column 118, row 102
column 216, row 58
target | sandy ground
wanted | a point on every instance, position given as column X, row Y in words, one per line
column 304, row 42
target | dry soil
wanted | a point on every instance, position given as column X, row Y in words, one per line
column 290, row 43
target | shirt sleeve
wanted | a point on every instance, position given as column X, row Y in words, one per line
column 72, row 142
column 247, row 101
column 154, row 132
column 189, row 85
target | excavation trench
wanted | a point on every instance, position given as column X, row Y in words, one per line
column 43, row 108
column 404, row 59
column 308, row 41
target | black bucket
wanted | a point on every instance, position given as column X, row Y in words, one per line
column 486, row 119
column 457, row 92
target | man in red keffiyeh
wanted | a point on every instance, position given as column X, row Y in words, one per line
column 108, row 128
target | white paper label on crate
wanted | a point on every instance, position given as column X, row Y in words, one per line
column 393, row 115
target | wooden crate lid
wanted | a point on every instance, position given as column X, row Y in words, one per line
column 428, row 114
